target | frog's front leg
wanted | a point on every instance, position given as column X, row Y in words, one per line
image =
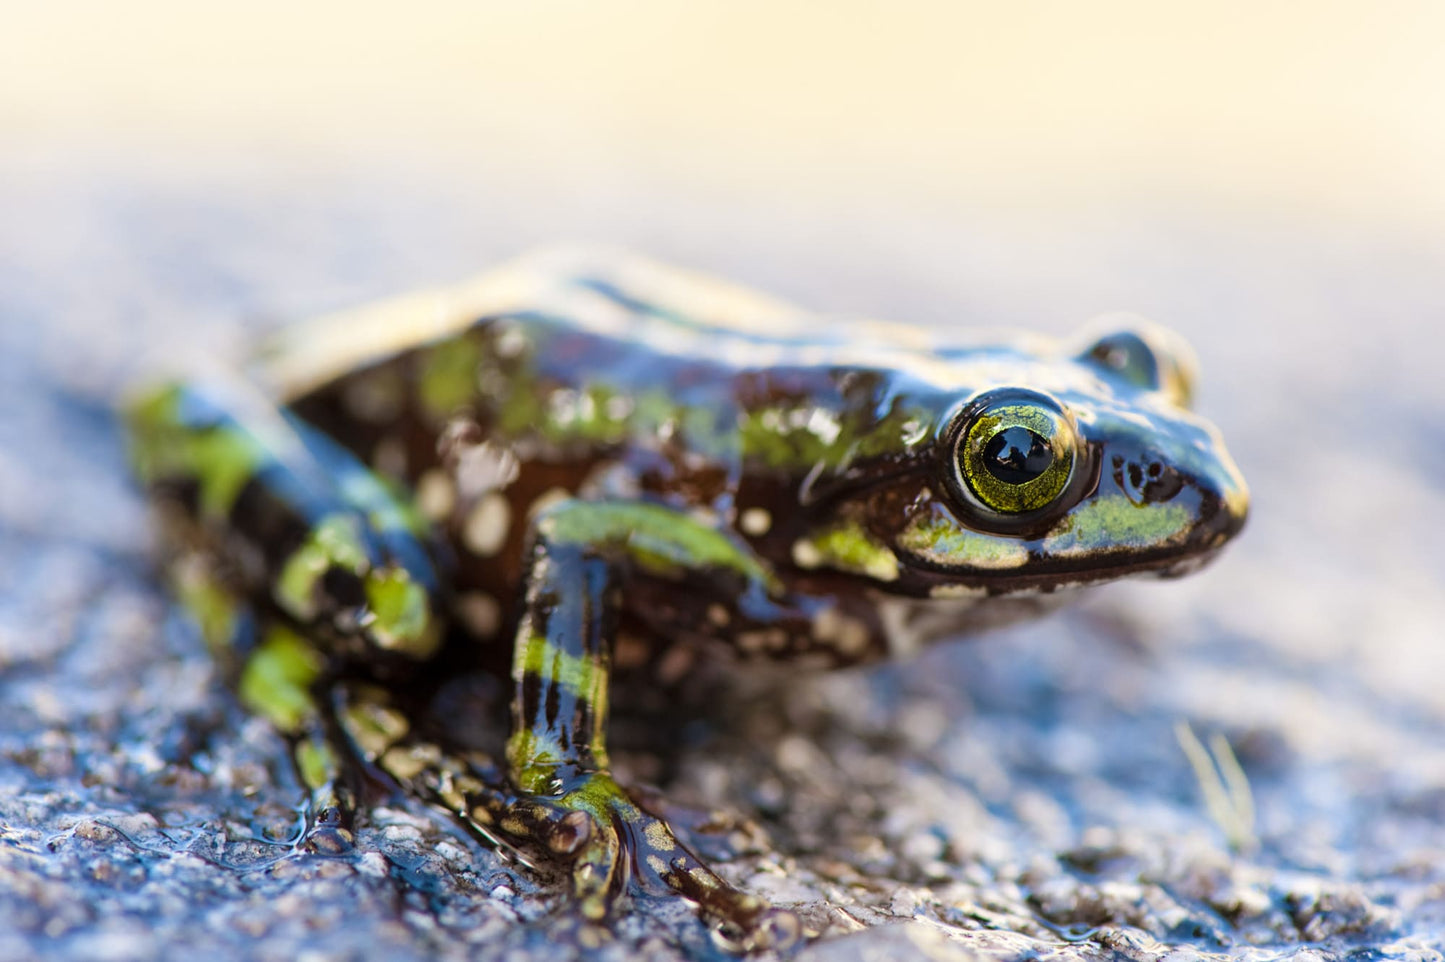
column 583, row 556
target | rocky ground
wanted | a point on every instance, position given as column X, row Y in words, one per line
column 1027, row 794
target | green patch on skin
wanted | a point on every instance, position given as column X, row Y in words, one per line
column 335, row 542
column 541, row 658
column 943, row 541
column 533, row 759
column 593, row 415
column 213, row 607
column 316, row 762
column 372, row 725
column 521, row 410
column 402, row 613
column 447, row 377
column 781, row 438
column 794, row 438
column 1117, row 522
column 587, row 678
column 848, row 547
column 600, row 796
column 659, row 539
column 220, row 459
column 900, row 430
column 277, row 679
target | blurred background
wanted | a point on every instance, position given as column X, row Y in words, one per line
column 1264, row 177
column 1332, row 108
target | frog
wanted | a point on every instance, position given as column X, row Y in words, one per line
column 585, row 463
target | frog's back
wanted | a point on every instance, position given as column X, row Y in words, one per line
column 603, row 295
column 589, row 316
column 575, row 354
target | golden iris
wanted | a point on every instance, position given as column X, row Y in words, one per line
column 1017, row 455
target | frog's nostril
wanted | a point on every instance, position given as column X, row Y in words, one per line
column 1147, row 481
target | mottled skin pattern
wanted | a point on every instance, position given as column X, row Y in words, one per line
column 515, row 473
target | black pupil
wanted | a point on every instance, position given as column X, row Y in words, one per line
column 1017, row 455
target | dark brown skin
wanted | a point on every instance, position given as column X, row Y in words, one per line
column 601, row 445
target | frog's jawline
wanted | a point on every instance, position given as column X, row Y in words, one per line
column 937, row 581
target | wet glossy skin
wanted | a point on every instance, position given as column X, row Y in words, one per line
column 581, row 449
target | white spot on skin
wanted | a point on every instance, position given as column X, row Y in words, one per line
column 844, row 633
column 824, row 425
column 372, row 399
column 436, row 496
column 546, row 500
column 755, row 522
column 389, row 457
column 957, row 591
column 510, row 341
column 806, row 554
column 705, row 515
column 483, row 467
column 629, row 651
column 749, row 641
column 487, row 524
column 618, row 407
column 675, row 663
column 913, row 431
column 763, row 639
column 480, row 612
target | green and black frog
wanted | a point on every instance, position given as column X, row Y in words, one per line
column 583, row 450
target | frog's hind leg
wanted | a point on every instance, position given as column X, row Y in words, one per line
column 567, row 800
column 276, row 673
column 285, row 531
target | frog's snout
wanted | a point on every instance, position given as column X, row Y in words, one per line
column 1233, row 497
column 1222, row 509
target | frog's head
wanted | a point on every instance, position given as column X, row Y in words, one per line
column 1066, row 467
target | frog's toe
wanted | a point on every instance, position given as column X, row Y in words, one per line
column 743, row 922
column 772, row 929
column 328, row 831
column 328, row 840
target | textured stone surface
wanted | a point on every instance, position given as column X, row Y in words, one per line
column 1023, row 795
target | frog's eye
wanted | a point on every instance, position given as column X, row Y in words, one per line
column 1014, row 454
column 1145, row 355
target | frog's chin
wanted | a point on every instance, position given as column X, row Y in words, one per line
column 1182, row 567
column 910, row 623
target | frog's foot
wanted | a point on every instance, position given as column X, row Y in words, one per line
column 615, row 845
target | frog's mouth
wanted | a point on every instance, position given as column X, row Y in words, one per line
column 1044, row 578
column 1104, row 539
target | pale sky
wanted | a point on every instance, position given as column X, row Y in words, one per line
column 1322, row 105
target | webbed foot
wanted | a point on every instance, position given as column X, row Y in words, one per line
column 615, row 847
